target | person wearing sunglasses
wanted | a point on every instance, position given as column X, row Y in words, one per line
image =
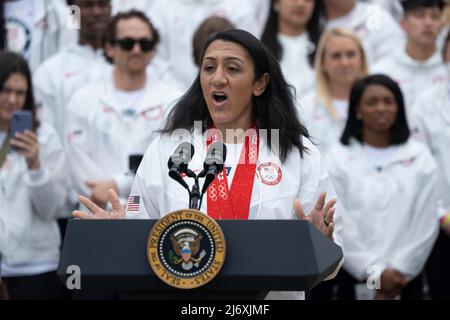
column 113, row 119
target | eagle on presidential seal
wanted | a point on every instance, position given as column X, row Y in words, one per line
column 186, row 244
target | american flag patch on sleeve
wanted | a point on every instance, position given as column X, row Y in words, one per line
column 133, row 203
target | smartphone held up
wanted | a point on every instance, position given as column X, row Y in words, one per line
column 20, row 122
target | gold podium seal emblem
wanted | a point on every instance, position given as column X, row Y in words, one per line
column 186, row 249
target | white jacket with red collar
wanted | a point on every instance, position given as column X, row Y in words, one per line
column 272, row 196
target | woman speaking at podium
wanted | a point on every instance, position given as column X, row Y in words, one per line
column 271, row 170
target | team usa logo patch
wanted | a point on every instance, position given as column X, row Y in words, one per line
column 186, row 249
column 270, row 173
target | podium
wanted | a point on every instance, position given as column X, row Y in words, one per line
column 262, row 256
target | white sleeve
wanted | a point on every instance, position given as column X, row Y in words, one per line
column 79, row 147
column 418, row 123
column 44, row 92
column 358, row 258
column 147, row 186
column 47, row 185
column 314, row 181
column 423, row 229
column 124, row 183
column 421, row 132
column 159, row 16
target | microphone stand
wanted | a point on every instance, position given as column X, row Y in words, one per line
column 194, row 194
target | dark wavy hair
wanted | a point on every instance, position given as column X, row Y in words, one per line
column 399, row 132
column 274, row 109
column 313, row 29
column 11, row 63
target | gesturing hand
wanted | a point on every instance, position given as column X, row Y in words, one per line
column 118, row 211
column 321, row 216
column 100, row 191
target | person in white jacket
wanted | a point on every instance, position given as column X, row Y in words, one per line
column 240, row 86
column 82, row 63
column 431, row 123
column 177, row 21
column 376, row 28
column 418, row 65
column 36, row 29
column 387, row 183
column 340, row 61
column 32, row 191
column 292, row 33
column 111, row 120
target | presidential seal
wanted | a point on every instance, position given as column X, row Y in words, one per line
column 186, row 249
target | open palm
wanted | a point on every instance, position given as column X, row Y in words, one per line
column 96, row 212
column 321, row 216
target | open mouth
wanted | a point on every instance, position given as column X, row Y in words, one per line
column 219, row 97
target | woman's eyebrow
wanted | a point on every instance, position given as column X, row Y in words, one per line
column 226, row 59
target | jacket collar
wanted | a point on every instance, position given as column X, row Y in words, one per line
column 85, row 50
column 149, row 99
column 403, row 58
column 405, row 152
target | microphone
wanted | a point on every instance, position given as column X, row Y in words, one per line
column 214, row 162
column 178, row 162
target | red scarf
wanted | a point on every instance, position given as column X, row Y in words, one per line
column 234, row 204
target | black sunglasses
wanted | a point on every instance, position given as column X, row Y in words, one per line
column 128, row 44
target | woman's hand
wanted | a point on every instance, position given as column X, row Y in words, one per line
column 118, row 211
column 28, row 146
column 100, row 191
column 322, row 216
